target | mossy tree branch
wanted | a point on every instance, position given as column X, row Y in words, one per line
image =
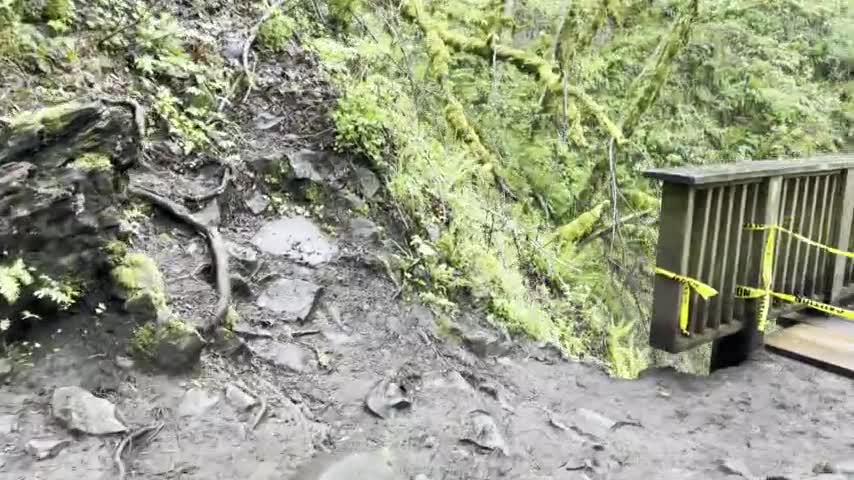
column 533, row 65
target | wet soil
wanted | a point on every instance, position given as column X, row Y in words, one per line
column 526, row 413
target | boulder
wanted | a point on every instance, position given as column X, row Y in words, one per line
column 80, row 411
column 62, row 173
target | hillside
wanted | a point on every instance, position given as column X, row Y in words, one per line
column 317, row 239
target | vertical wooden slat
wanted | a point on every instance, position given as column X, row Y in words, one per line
column 787, row 258
column 727, row 296
column 734, row 349
column 817, row 291
column 780, row 254
column 829, row 229
column 812, row 233
column 677, row 216
column 747, row 247
column 842, row 235
column 797, row 261
column 714, row 258
column 723, row 260
column 699, row 245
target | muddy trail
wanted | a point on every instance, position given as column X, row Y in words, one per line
column 332, row 376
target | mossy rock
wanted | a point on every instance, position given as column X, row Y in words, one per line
column 173, row 345
column 138, row 281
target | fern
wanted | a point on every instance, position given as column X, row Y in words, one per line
column 12, row 280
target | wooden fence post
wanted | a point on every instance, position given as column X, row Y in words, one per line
column 677, row 210
column 842, row 235
column 732, row 350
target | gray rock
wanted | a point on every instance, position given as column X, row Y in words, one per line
column 363, row 230
column 146, row 307
column 421, row 476
column 45, row 448
column 197, row 402
column 210, row 214
column 732, row 466
column 355, row 466
column 240, row 287
column 844, row 467
column 79, row 410
column 386, row 398
column 296, row 238
column 239, row 399
column 482, row 431
column 124, row 363
column 243, row 259
column 8, row 424
column 285, row 355
column 484, row 343
column 318, row 167
column 178, row 351
column 593, row 423
column 369, row 184
column 294, row 299
column 6, row 369
column 257, row 203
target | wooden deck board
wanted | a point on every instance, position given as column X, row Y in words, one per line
column 826, row 342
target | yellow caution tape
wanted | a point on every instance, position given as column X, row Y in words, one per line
column 827, row 248
column 750, row 293
column 704, row 290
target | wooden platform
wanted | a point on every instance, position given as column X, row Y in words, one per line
column 826, row 342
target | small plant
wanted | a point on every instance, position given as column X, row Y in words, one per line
column 59, row 14
column 361, row 123
column 13, row 278
column 190, row 126
column 276, row 31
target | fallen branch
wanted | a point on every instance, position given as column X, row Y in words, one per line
column 218, row 252
column 247, row 46
column 154, row 430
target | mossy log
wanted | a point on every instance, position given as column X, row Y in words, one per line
column 62, row 175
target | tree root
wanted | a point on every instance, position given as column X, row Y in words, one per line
column 219, row 190
column 153, row 429
column 219, row 253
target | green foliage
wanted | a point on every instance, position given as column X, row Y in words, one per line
column 190, row 126
column 160, row 46
column 440, row 103
column 275, row 33
column 361, row 121
column 148, row 336
column 343, row 12
column 13, row 278
column 59, row 14
column 62, row 295
column 93, row 162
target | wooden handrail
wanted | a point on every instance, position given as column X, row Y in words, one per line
column 702, row 235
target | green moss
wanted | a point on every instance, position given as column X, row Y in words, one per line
column 59, row 10
column 144, row 340
column 93, row 162
column 147, row 337
column 137, row 275
column 276, row 31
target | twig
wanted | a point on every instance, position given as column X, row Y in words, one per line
column 138, row 113
column 609, row 228
column 247, row 45
column 117, row 457
column 219, row 190
column 305, row 333
column 612, row 167
column 262, row 410
column 218, row 251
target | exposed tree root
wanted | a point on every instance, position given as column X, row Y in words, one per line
column 219, row 190
column 153, row 430
column 219, row 253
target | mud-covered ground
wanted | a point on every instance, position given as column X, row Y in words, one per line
column 367, row 388
column 333, row 375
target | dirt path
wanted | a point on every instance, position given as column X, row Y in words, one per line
column 476, row 408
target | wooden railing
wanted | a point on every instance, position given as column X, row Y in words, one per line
column 702, row 235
